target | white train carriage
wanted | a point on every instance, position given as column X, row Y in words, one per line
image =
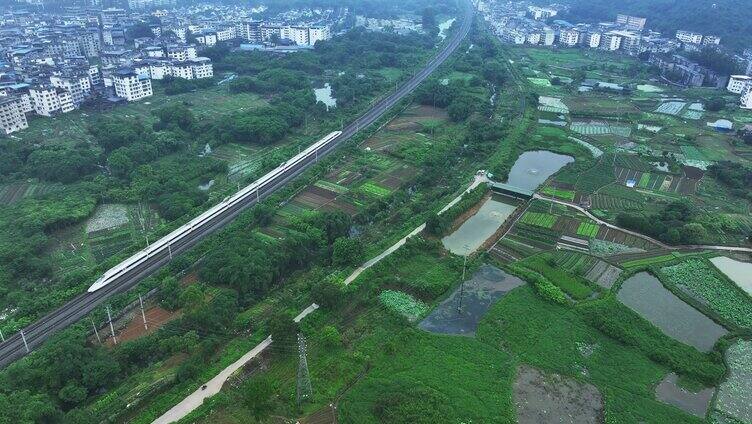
column 196, row 223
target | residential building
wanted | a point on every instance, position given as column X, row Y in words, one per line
column 12, row 116
column 541, row 13
column 689, row 37
column 737, row 83
column 534, row 38
column 202, row 68
column 593, row 40
column 208, row 39
column 631, row 22
column 711, row 40
column 548, row 37
column 318, row 33
column 130, row 85
column 569, row 37
column 45, row 99
column 746, row 98
column 611, row 41
column 251, row 31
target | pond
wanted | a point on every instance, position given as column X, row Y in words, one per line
column 696, row 403
column 644, row 294
column 484, row 288
column 324, row 95
column 531, row 169
column 478, row 228
column 737, row 271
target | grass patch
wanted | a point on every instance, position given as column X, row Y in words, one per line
column 538, row 219
column 587, row 229
column 546, row 265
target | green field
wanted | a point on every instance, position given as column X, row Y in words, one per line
column 588, row 229
column 559, row 193
column 374, row 189
column 544, row 220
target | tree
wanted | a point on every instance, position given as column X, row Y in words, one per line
column 283, row 329
column 120, row 163
column 326, row 293
column 330, row 337
column 169, row 293
column 428, row 21
column 715, row 104
column 347, row 251
column 257, row 396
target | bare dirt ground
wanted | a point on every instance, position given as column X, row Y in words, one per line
column 550, row 398
column 156, row 317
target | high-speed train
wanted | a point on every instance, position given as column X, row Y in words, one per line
column 205, row 218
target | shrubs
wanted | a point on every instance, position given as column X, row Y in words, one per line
column 403, row 304
column 543, row 286
column 617, row 321
column 438, row 225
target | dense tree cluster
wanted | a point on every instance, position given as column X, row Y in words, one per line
column 673, row 225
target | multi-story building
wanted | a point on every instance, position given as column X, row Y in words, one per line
column 89, row 42
column 631, row 43
column 208, row 39
column 12, row 116
column 534, row 38
column 541, row 13
column 182, row 70
column 631, row 22
column 746, row 99
column 318, row 33
column 181, row 53
column 737, row 83
column 202, row 68
column 21, row 92
column 689, row 37
column 593, row 40
column 569, row 37
column 130, row 85
column 45, row 99
column 158, row 69
column 709, row 40
column 78, row 86
column 251, row 31
column 611, row 41
column 548, row 37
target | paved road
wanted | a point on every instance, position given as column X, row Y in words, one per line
column 213, row 386
column 642, row 236
column 36, row 333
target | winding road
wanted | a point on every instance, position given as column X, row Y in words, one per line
column 37, row 333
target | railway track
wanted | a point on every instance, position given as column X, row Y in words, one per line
column 80, row 306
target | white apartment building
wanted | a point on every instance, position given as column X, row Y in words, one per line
column 534, row 38
column 746, row 99
column 66, row 101
column 159, row 70
column 79, row 87
column 611, row 41
column 689, row 37
column 182, row 70
column 548, row 37
column 131, row 86
column 711, row 40
column 632, row 22
column 541, row 12
column 12, row 116
column 228, row 33
column 20, row 92
column 202, row 68
column 208, row 39
column 593, row 40
column 181, row 53
column 569, row 37
column 737, row 83
column 318, row 34
column 45, row 99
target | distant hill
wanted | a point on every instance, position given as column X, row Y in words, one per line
column 729, row 19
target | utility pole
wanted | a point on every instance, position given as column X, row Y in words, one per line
column 96, row 332
column 462, row 283
column 26, row 345
column 112, row 329
column 304, row 379
column 143, row 315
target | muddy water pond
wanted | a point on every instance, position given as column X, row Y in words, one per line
column 695, row 403
column 531, row 169
column 324, row 95
column 644, row 294
column 478, row 228
column 484, row 288
column 737, row 271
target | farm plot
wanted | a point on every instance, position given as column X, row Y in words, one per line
column 540, row 82
column 588, row 229
column 588, row 105
column 403, row 304
column 552, row 104
column 702, row 282
column 552, row 398
column 671, row 108
column 537, row 219
column 241, row 160
column 559, row 193
column 604, row 274
column 620, row 237
column 735, row 393
column 14, row 192
column 600, row 128
column 107, row 217
column 372, row 189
